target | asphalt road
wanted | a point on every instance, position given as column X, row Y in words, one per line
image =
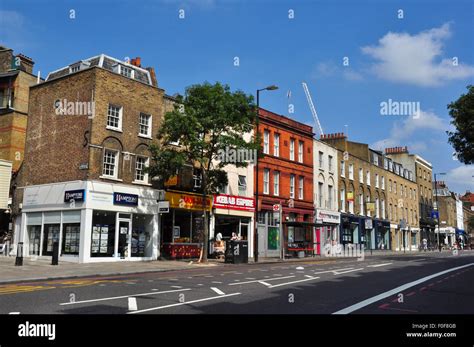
column 422, row 283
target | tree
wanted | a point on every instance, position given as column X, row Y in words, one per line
column 462, row 112
column 208, row 122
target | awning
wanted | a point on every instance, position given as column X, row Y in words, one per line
column 460, row 231
column 302, row 224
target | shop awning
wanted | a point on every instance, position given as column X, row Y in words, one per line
column 460, row 231
column 302, row 224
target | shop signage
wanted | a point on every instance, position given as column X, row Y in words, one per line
column 368, row 224
column 327, row 216
column 76, row 195
column 234, row 202
column 350, row 196
column 370, row 206
column 125, row 199
column 187, row 201
column 163, row 206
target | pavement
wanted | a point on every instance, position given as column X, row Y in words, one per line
column 417, row 283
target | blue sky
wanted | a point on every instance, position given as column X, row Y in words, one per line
column 403, row 59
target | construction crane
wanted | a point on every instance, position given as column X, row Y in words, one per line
column 312, row 108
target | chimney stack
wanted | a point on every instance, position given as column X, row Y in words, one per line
column 26, row 63
column 136, row 62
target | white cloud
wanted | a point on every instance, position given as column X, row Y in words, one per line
column 329, row 68
column 461, row 178
column 416, row 59
column 414, row 132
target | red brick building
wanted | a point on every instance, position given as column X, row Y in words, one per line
column 286, row 178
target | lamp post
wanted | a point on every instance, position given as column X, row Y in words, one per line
column 437, row 204
column 255, row 234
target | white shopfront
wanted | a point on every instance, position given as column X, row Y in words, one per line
column 93, row 221
column 327, row 231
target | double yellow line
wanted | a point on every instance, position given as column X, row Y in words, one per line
column 14, row 289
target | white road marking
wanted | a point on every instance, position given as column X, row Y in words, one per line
column 132, row 304
column 122, row 297
column 300, row 268
column 183, row 303
column 270, row 279
column 377, row 265
column 265, row 283
column 263, row 270
column 209, row 276
column 155, row 289
column 397, row 290
column 238, row 273
column 287, row 283
column 177, row 287
column 344, row 272
column 308, row 276
column 200, row 284
column 250, row 278
column 332, row 271
column 277, row 275
column 216, row 282
column 14, row 313
column 218, row 291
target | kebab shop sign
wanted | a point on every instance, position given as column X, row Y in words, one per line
column 233, row 202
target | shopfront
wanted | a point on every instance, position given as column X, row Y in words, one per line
column 233, row 215
column 92, row 221
column 351, row 229
column 328, row 231
column 382, row 234
column 183, row 226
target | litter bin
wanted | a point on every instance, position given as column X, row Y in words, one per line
column 236, row 252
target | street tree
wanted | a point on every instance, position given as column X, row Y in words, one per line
column 462, row 114
column 208, row 121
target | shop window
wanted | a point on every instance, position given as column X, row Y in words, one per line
column 34, row 237
column 71, row 232
column 142, row 227
column 103, row 234
column 51, row 228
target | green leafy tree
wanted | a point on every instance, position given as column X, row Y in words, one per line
column 208, row 122
column 462, row 113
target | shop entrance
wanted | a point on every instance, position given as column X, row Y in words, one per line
column 124, row 238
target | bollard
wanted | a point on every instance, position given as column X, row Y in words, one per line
column 19, row 255
column 55, row 258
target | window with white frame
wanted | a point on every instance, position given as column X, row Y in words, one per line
column 376, row 159
column 110, row 163
column 300, row 151
column 301, row 188
column 114, row 117
column 377, row 208
column 276, row 183
column 75, row 68
column 266, row 181
column 361, row 204
column 144, row 124
column 242, row 185
column 383, row 182
column 343, row 169
column 361, row 175
column 351, row 203
column 394, row 187
column 330, row 163
column 389, row 185
column 351, row 171
column 292, row 186
column 321, row 160
column 376, row 180
column 140, row 164
column 368, row 177
column 342, row 199
column 276, row 145
column 367, row 200
column 330, row 196
column 266, row 142
column 126, row 71
column 320, row 195
column 292, row 149
column 382, row 205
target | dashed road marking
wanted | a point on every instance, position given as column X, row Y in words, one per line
column 218, row 291
column 132, row 304
column 378, row 265
column 293, row 282
column 270, row 279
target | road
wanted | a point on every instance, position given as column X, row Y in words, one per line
column 422, row 283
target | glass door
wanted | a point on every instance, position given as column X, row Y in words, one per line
column 51, row 235
column 124, row 239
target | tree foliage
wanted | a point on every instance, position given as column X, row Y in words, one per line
column 462, row 139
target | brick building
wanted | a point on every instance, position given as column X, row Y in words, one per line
column 422, row 170
column 445, row 202
column 16, row 77
column 286, row 179
column 82, row 183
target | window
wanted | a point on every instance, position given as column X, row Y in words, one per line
column 394, row 187
column 361, row 175
column 321, row 160
column 343, row 169
column 368, row 177
column 320, row 195
column 276, row 183
column 75, row 68
column 223, row 189
column 266, row 142
column 301, row 188
column 243, row 185
column 266, row 181
column 330, row 163
column 330, row 196
column 376, row 180
column 351, row 201
column 140, row 164
column 276, row 145
column 367, row 200
column 292, row 149
column 383, row 209
column 376, row 159
column 390, row 165
column 385, row 164
column 361, row 204
column 126, row 71
column 351, row 171
column 389, row 185
column 383, row 183
column 144, row 125
column 110, row 163
column 343, row 200
column 292, row 186
column 114, row 117
column 300, row 151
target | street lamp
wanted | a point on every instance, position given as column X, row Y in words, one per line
column 437, row 204
column 255, row 235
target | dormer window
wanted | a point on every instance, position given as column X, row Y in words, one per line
column 126, row 71
column 75, row 68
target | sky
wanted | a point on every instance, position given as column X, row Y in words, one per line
column 355, row 56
